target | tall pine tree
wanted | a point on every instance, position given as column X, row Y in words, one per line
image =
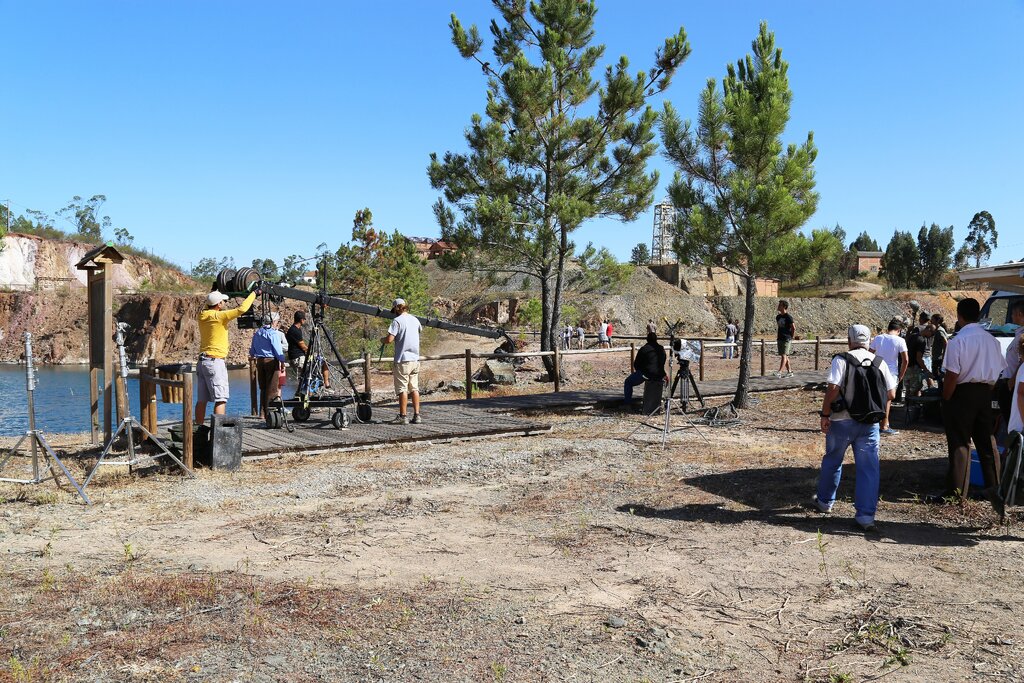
column 554, row 148
column 739, row 190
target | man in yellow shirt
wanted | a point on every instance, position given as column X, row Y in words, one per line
column 211, row 372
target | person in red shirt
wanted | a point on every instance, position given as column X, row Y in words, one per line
column 611, row 329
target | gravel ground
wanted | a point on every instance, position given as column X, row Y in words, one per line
column 587, row 554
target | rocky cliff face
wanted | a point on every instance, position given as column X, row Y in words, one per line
column 161, row 326
column 28, row 262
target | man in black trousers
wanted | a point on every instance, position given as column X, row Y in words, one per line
column 973, row 363
column 648, row 366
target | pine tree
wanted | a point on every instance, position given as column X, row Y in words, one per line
column 738, row 190
column 865, row 242
column 641, row 255
column 554, row 148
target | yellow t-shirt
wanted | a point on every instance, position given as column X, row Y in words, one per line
column 213, row 328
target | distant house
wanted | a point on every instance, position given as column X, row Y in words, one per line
column 869, row 262
column 309, row 277
column 428, row 248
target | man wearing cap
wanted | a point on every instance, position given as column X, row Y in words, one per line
column 405, row 333
column 842, row 431
column 974, row 360
column 893, row 350
column 268, row 353
column 211, row 373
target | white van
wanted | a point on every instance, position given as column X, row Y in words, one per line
column 1008, row 281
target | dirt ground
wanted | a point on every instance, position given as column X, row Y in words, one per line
column 586, row 554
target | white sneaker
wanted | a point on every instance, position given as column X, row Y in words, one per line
column 821, row 507
column 788, row 374
column 777, row 374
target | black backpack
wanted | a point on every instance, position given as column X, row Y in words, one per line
column 870, row 393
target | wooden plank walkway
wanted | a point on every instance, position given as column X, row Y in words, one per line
column 442, row 422
column 600, row 398
column 456, row 420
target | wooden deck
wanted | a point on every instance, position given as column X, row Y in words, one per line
column 441, row 422
column 458, row 420
column 603, row 398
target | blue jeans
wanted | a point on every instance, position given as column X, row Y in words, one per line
column 864, row 439
column 633, row 380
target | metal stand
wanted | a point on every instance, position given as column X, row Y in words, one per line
column 682, row 402
column 36, row 439
column 128, row 425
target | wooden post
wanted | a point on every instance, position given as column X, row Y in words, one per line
column 120, row 395
column 469, row 374
column 108, row 360
column 151, row 398
column 762, row 357
column 366, row 372
column 143, row 403
column 701, row 365
column 558, row 370
column 186, row 420
column 817, row 351
column 254, row 404
column 94, row 404
column 632, row 357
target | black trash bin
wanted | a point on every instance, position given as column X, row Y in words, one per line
column 200, row 443
column 226, row 443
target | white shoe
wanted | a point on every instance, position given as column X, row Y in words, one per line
column 777, row 375
column 821, row 507
column 788, row 374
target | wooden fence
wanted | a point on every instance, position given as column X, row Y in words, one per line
column 149, row 380
column 558, row 354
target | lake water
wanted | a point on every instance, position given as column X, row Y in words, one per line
column 62, row 399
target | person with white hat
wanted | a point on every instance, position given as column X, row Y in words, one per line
column 211, row 372
column 859, row 385
column 405, row 333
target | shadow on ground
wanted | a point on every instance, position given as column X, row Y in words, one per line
column 777, row 496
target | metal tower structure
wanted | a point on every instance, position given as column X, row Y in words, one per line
column 664, row 232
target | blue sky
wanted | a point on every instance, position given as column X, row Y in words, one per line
column 256, row 129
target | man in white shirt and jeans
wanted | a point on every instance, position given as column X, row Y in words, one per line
column 891, row 348
column 973, row 363
column 842, row 431
column 405, row 333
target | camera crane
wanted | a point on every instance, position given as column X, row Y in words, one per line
column 321, row 348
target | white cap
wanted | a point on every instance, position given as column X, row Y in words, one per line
column 215, row 297
column 859, row 336
column 398, row 302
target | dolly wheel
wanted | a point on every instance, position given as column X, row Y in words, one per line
column 300, row 413
column 340, row 419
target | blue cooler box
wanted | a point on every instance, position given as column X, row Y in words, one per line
column 977, row 478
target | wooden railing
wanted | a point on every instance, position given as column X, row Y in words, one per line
column 558, row 354
column 148, row 382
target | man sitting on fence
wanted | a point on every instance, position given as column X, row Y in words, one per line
column 649, row 366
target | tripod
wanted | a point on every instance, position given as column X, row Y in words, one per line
column 128, row 425
column 665, row 408
column 36, row 439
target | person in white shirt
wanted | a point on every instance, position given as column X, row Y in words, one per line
column 891, row 348
column 1015, row 423
column 1004, row 388
column 973, row 363
column 405, row 333
column 842, row 431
